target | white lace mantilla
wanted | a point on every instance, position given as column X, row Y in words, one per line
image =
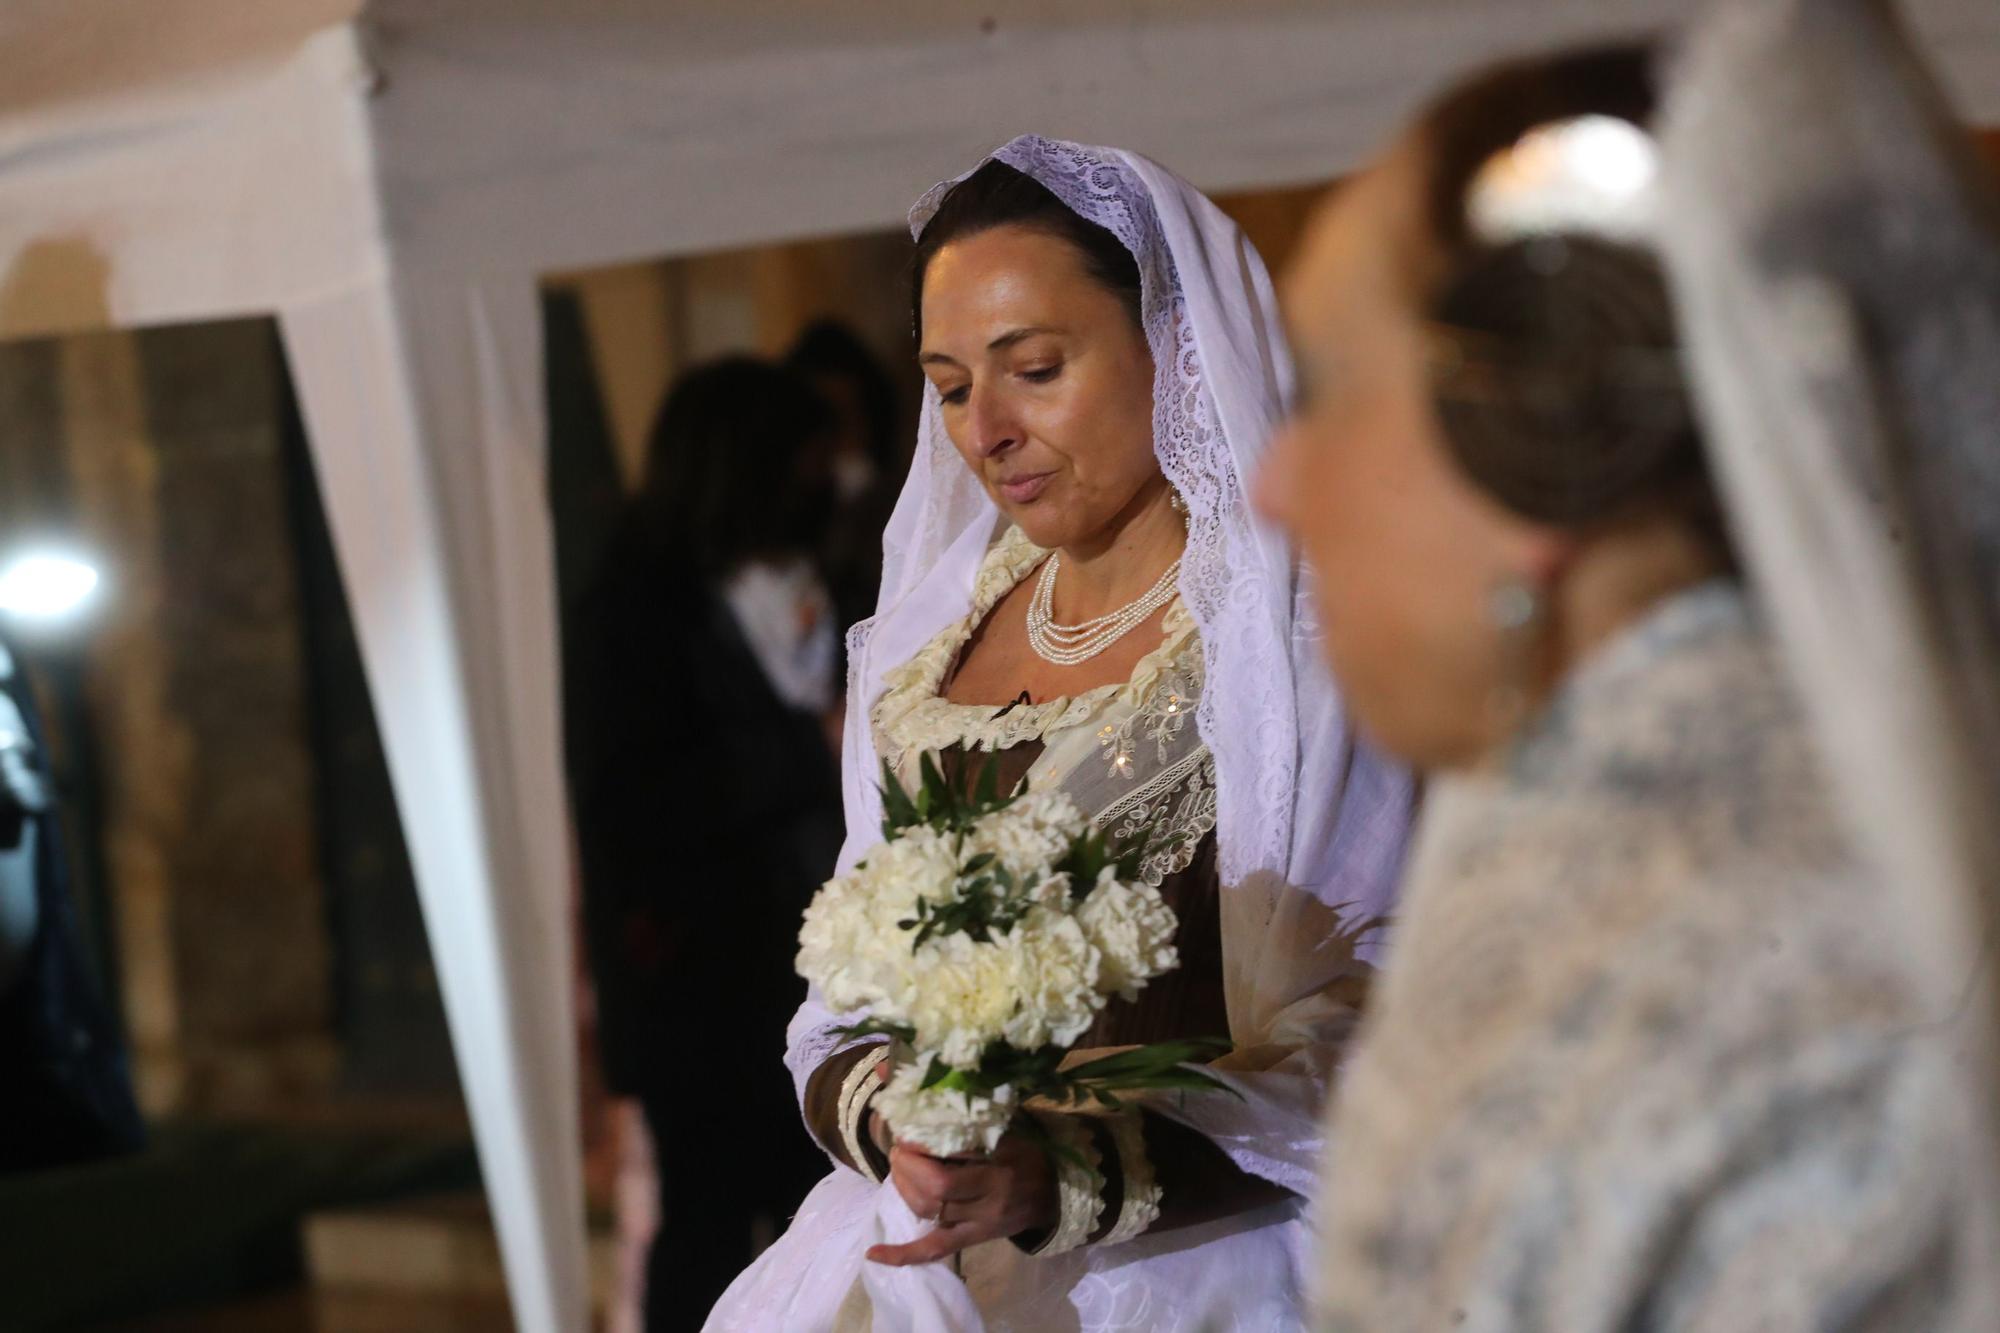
column 1127, row 752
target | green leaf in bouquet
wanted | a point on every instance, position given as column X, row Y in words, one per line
column 1164, row 1064
column 937, row 801
column 1159, row 1055
column 1029, row 1072
column 973, row 1082
column 935, row 797
column 1086, row 860
column 986, row 791
column 925, row 923
column 877, row 1027
column 898, row 810
column 1093, row 853
column 1182, row 1077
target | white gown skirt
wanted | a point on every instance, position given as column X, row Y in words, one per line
column 1238, row 1275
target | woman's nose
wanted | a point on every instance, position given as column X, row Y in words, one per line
column 994, row 429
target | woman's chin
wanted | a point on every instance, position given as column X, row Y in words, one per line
column 1040, row 524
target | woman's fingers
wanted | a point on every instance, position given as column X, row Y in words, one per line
column 939, row 1244
column 971, row 1201
column 924, row 1195
column 926, row 1182
column 962, row 1184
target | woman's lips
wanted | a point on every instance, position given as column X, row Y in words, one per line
column 1021, row 490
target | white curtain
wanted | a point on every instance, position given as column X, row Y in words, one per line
column 423, row 403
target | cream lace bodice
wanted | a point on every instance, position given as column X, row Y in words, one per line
column 1128, row 752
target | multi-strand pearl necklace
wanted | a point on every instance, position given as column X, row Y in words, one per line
column 1068, row 645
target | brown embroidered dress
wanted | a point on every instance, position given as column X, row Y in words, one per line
column 1130, row 755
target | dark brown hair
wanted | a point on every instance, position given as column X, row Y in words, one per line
column 997, row 195
column 831, row 349
column 727, row 465
column 1555, row 371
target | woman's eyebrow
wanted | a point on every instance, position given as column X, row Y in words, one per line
column 999, row 344
column 1012, row 336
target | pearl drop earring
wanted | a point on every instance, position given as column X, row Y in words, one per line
column 1517, row 609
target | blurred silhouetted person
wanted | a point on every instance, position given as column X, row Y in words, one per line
column 869, row 459
column 707, row 803
column 65, row 1091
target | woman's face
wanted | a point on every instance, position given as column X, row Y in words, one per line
column 1045, row 382
column 1407, row 552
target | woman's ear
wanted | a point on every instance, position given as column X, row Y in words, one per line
column 1546, row 555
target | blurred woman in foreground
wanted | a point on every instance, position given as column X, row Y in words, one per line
column 1666, row 1038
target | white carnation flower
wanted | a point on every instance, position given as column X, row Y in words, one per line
column 920, row 863
column 1133, row 928
column 942, row 1121
column 1055, row 969
column 852, row 943
column 1030, row 835
column 959, row 995
column 834, row 951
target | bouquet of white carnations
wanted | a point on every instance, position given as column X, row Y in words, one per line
column 984, row 935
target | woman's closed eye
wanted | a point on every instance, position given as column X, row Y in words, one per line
column 955, row 395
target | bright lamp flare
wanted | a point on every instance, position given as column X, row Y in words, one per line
column 1591, row 174
column 45, row 586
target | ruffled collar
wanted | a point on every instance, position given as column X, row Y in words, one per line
column 912, row 713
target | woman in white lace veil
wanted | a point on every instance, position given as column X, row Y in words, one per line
column 1308, row 826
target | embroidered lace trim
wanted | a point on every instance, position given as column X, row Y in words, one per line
column 1079, row 1182
column 1143, row 1194
column 856, row 1090
column 1177, row 804
column 912, row 714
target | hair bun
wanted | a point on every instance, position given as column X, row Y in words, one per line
column 1556, row 378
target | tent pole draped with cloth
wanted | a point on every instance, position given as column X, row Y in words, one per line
column 391, row 180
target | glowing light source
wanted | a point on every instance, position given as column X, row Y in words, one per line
column 1591, row 174
column 1614, row 156
column 46, row 586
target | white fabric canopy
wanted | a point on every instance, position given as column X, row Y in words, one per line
column 390, row 179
